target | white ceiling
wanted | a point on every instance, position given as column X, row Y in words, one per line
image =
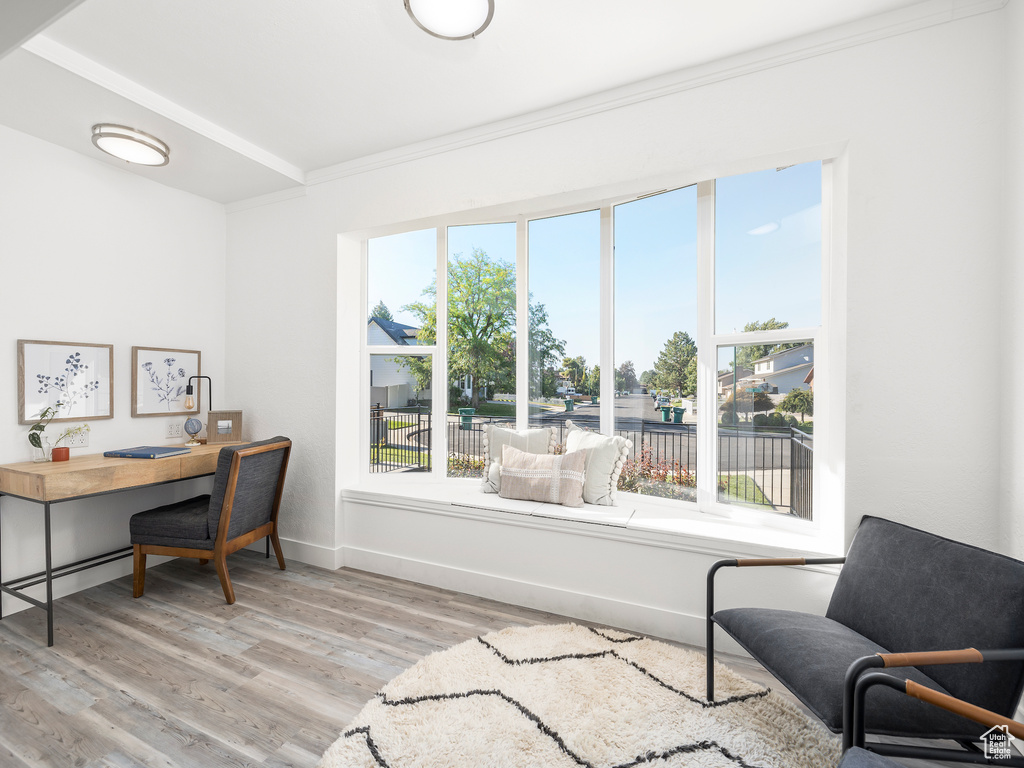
column 253, row 95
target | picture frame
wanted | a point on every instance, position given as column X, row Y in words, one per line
column 159, row 378
column 77, row 374
column 224, row 427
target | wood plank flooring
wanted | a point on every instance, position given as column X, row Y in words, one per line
column 179, row 679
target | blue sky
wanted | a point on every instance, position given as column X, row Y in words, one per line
column 767, row 249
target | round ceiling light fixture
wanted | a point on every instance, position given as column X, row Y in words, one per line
column 130, row 144
column 451, row 19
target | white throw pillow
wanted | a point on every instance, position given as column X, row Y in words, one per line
column 529, row 440
column 605, row 459
column 542, row 477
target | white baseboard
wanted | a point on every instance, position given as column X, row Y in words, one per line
column 645, row 619
column 311, row 554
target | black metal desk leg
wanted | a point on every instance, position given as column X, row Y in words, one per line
column 49, row 578
column 1, row 557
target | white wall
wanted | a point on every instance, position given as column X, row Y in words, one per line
column 90, row 253
column 1011, row 367
column 920, row 117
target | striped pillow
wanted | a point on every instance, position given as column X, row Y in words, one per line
column 556, row 479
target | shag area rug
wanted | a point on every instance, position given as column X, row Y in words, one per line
column 573, row 696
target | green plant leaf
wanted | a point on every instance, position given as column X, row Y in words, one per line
column 33, row 437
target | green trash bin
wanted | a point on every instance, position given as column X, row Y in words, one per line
column 593, row 399
column 666, row 413
column 467, row 417
column 568, row 405
column 677, row 415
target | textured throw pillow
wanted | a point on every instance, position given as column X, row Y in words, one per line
column 605, row 459
column 542, row 477
column 529, row 440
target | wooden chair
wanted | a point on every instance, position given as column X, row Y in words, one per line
column 242, row 508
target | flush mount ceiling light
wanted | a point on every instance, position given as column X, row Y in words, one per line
column 130, row 145
column 451, row 19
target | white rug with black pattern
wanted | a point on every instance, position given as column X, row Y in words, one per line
column 573, row 696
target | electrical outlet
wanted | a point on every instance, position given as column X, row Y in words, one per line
column 173, row 430
column 81, row 440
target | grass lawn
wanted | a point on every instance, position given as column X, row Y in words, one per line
column 392, row 455
column 741, row 488
column 398, row 424
column 501, row 410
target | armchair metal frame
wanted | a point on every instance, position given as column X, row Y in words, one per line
column 752, row 562
column 859, row 680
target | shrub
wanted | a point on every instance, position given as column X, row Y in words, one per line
column 463, row 465
column 652, row 475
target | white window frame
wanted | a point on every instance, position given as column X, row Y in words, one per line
column 828, row 340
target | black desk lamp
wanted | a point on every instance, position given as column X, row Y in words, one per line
column 190, row 403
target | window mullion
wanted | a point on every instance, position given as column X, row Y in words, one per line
column 707, row 353
column 522, row 325
column 439, row 459
column 607, row 348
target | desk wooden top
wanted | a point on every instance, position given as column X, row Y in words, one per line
column 96, row 473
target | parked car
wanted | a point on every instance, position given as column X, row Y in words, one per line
column 662, row 401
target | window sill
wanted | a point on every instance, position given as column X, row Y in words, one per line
column 635, row 519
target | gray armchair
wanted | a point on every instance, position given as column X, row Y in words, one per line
column 901, row 591
column 242, row 509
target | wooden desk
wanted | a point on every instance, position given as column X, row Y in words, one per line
column 82, row 477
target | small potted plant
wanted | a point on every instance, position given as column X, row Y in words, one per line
column 35, row 433
column 63, row 452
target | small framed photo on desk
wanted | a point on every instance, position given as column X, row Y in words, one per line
column 224, row 427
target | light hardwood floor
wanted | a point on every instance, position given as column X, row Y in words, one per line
column 179, row 679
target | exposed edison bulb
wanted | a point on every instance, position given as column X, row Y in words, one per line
column 190, row 402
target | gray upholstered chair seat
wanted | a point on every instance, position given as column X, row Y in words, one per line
column 812, row 653
column 861, row 758
column 182, row 524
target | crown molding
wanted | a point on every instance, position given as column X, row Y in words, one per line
column 268, row 199
column 86, row 68
column 916, row 17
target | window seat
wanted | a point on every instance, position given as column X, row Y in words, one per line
column 637, row 519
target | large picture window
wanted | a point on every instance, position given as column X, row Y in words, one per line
column 685, row 320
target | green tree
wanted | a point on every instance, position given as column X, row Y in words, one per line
column 574, row 369
column 545, row 352
column 691, row 378
column 594, row 380
column 381, row 311
column 481, row 320
column 746, row 355
column 647, row 378
column 625, row 376
column 670, row 368
column 798, row 401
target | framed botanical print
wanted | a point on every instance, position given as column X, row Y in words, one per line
column 74, row 378
column 159, row 378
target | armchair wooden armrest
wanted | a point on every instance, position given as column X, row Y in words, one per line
column 942, row 700
column 853, row 730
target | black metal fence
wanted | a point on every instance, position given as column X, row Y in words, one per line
column 764, row 467
column 400, row 439
column 801, row 476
